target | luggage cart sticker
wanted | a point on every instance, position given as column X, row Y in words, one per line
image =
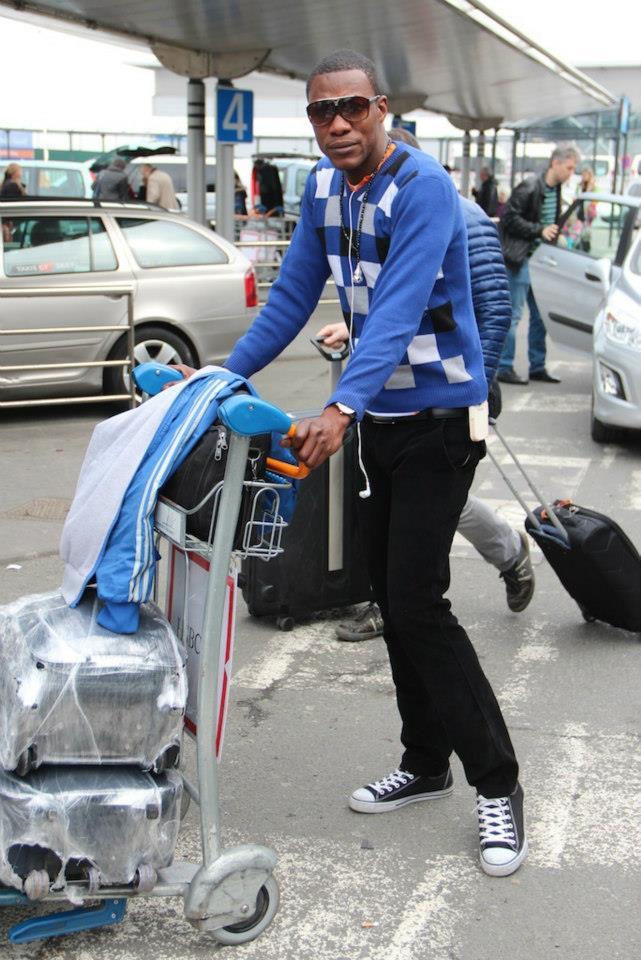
column 186, row 598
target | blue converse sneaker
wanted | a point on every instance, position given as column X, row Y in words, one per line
column 399, row 788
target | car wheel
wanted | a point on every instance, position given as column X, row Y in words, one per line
column 601, row 432
column 153, row 344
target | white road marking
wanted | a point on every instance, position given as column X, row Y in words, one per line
column 539, row 402
column 632, row 499
column 585, row 805
column 431, row 916
column 279, row 653
column 534, row 651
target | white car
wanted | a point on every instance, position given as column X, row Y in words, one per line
column 588, row 289
column 56, row 179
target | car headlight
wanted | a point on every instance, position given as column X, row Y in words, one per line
column 623, row 328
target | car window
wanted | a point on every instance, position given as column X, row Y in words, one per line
column 178, row 174
column 33, row 246
column 58, row 182
column 161, row 243
column 594, row 228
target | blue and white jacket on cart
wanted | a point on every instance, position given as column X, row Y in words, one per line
column 108, row 535
column 416, row 342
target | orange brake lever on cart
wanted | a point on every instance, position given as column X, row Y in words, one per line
column 295, row 471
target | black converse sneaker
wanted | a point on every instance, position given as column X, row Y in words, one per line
column 399, row 788
column 503, row 843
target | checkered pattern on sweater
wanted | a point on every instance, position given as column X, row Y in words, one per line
column 418, row 342
column 437, row 341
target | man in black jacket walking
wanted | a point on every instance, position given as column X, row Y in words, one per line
column 532, row 215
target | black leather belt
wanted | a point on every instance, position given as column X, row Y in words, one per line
column 431, row 413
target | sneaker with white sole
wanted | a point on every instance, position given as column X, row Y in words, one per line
column 365, row 626
column 519, row 579
column 502, row 838
column 398, row 789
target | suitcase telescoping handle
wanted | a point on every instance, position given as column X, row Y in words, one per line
column 531, row 516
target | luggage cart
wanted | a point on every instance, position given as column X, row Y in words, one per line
column 231, row 894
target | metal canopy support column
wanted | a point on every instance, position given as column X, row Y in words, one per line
column 494, row 142
column 515, row 143
column 480, row 154
column 196, row 201
column 465, row 165
column 225, row 185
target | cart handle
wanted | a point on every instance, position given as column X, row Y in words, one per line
column 294, row 471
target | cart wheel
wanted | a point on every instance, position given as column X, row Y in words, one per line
column 185, row 803
column 36, row 885
column 246, row 930
column 146, row 878
column 285, row 623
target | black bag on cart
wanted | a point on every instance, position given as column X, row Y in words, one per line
column 202, row 470
column 598, row 565
column 313, row 573
column 596, row 562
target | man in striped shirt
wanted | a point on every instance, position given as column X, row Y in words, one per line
column 532, row 215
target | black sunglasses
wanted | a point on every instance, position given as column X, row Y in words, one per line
column 352, row 109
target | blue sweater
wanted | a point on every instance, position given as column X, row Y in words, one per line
column 417, row 343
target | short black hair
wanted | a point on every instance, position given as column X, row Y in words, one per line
column 346, row 60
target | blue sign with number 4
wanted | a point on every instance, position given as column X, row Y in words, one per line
column 234, row 115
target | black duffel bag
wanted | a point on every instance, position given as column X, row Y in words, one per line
column 203, row 469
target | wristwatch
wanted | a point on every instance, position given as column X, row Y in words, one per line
column 347, row 411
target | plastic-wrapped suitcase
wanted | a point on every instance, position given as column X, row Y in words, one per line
column 72, row 692
column 100, row 825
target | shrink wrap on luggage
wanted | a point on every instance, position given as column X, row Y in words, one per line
column 99, row 825
column 72, row 692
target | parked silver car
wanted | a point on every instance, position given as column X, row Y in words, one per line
column 194, row 293
column 588, row 289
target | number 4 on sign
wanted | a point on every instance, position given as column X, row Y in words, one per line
column 234, row 116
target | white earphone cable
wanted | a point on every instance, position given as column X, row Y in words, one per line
column 367, row 491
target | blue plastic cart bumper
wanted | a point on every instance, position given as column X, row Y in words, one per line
column 107, row 914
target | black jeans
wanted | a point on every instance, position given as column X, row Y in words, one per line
column 420, row 473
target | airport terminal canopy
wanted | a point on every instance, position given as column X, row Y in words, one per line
column 449, row 56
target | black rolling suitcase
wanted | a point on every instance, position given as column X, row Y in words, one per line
column 322, row 566
column 593, row 558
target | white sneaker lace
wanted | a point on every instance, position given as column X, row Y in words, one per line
column 399, row 778
column 495, row 821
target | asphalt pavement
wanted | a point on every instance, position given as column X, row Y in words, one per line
column 311, row 718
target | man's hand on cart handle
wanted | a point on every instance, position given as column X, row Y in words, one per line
column 186, row 371
column 317, row 439
column 334, row 334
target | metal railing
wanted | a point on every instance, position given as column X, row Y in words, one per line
column 264, row 266
column 93, row 290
